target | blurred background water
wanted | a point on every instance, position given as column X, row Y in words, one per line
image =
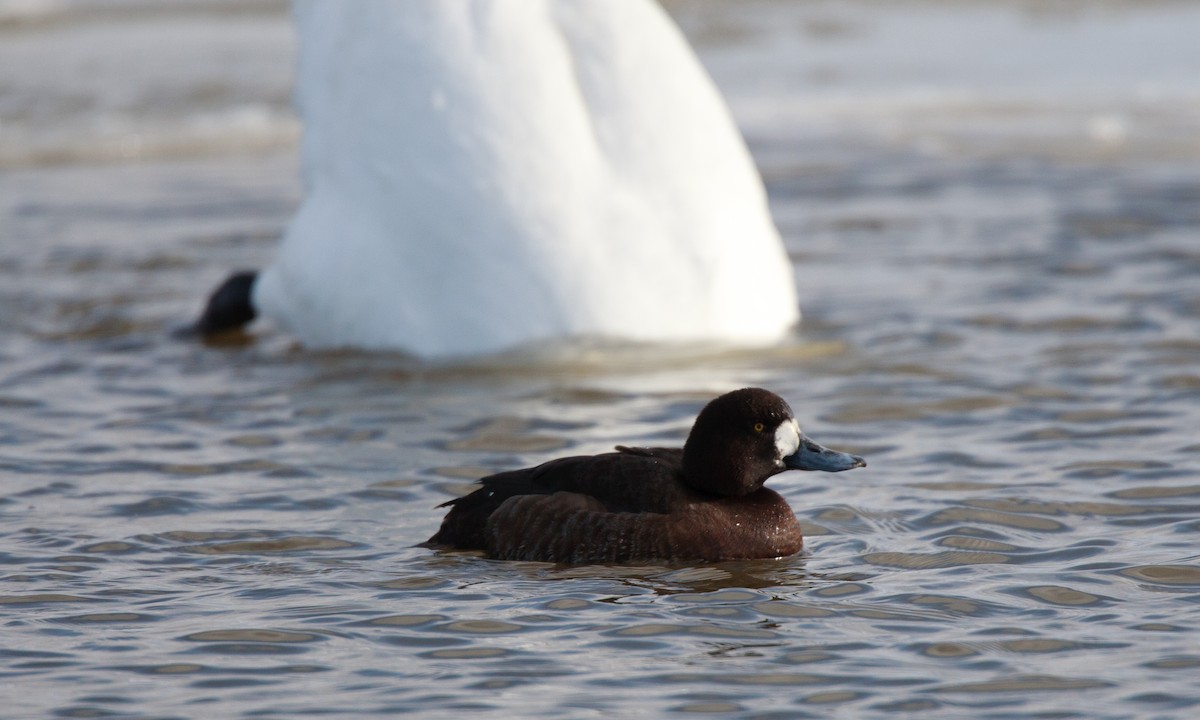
column 994, row 211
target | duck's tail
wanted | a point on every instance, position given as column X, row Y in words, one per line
column 229, row 307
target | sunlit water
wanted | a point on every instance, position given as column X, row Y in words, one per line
column 1001, row 313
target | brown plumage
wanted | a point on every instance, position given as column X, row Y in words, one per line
column 703, row 502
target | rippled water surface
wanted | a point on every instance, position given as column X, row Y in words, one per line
column 1001, row 304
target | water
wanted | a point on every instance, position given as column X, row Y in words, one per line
column 1001, row 296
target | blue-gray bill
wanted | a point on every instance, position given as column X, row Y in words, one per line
column 812, row 456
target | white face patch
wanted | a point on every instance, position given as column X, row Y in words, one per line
column 787, row 438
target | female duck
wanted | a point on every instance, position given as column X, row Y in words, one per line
column 704, row 502
column 483, row 175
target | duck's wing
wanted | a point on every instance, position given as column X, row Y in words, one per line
column 628, row 480
column 573, row 528
column 631, row 480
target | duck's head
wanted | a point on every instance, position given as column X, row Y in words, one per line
column 742, row 438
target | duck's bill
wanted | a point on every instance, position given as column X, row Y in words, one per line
column 812, row 456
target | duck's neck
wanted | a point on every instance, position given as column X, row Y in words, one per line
column 712, row 469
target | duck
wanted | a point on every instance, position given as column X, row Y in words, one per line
column 484, row 175
column 705, row 501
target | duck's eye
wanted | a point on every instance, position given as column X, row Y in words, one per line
column 758, row 427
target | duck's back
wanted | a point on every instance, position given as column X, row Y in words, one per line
column 485, row 174
column 630, row 480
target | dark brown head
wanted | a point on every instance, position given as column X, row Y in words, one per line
column 742, row 438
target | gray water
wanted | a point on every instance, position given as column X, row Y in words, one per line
column 999, row 261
